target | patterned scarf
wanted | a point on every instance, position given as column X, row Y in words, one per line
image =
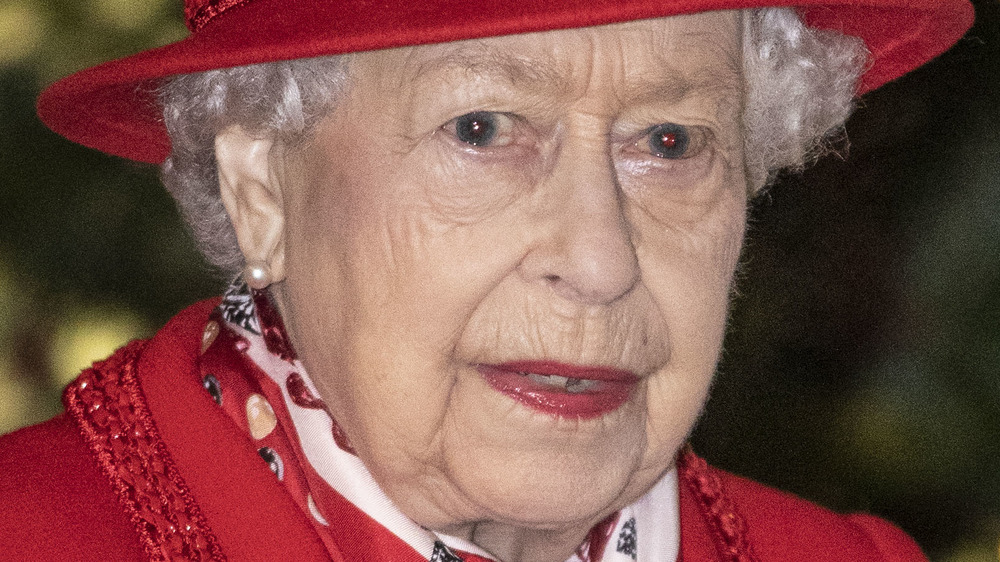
column 250, row 369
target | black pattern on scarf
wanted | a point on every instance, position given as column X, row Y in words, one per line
column 443, row 554
column 237, row 306
column 627, row 543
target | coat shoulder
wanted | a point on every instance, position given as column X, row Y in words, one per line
column 58, row 504
column 782, row 526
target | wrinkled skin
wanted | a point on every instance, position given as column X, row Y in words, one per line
column 405, row 256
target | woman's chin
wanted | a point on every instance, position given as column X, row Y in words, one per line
column 554, row 501
column 539, row 471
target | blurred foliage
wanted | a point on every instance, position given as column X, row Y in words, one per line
column 92, row 252
column 861, row 370
column 56, row 37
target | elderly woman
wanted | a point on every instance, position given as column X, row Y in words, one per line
column 485, row 256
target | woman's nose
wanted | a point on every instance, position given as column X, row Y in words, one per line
column 584, row 250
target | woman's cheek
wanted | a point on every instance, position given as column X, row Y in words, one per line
column 463, row 186
column 680, row 194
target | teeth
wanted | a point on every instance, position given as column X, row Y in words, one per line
column 580, row 385
column 548, row 380
column 569, row 384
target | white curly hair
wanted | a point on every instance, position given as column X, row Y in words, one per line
column 800, row 89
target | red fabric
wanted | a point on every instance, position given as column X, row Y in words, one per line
column 58, row 505
column 780, row 526
column 106, row 403
column 893, row 543
column 252, row 516
column 111, row 107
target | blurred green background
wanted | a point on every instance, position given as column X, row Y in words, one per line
column 863, row 366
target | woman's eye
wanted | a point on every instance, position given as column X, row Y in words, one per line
column 671, row 141
column 483, row 128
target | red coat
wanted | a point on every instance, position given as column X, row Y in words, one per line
column 143, row 463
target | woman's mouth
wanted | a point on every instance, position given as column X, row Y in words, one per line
column 558, row 389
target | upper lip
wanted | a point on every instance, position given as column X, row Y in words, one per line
column 584, row 372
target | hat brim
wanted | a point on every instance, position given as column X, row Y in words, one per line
column 112, row 107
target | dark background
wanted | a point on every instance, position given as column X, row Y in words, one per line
column 862, row 369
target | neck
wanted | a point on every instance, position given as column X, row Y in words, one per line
column 518, row 544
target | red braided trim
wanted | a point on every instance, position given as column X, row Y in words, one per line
column 728, row 527
column 108, row 406
column 196, row 18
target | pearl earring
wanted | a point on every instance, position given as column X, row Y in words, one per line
column 257, row 275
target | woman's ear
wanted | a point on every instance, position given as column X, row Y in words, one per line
column 252, row 196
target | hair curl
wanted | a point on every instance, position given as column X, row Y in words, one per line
column 800, row 86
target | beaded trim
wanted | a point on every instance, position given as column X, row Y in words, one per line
column 107, row 404
column 196, row 17
column 728, row 527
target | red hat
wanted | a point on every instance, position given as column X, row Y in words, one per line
column 112, row 107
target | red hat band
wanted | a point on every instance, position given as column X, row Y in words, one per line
column 198, row 13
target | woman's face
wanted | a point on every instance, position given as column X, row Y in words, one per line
column 568, row 204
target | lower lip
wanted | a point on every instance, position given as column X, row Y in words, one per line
column 611, row 391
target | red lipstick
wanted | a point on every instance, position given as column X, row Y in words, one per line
column 558, row 389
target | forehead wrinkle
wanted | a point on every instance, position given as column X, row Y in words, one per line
column 476, row 61
column 721, row 79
